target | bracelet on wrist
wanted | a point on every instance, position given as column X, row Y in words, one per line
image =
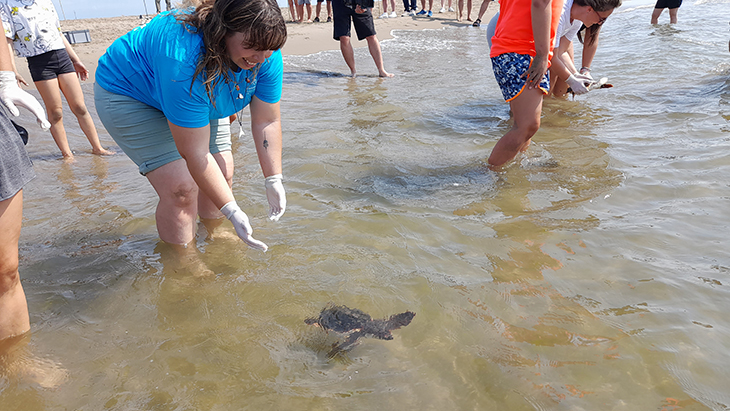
column 585, row 68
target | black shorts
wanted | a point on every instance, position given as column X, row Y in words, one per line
column 343, row 15
column 48, row 66
column 668, row 4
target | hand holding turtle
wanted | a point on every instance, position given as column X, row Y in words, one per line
column 577, row 83
column 11, row 95
column 276, row 195
column 239, row 219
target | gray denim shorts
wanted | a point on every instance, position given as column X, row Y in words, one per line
column 15, row 166
column 143, row 133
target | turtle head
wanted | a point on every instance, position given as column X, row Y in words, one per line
column 311, row 321
column 401, row 320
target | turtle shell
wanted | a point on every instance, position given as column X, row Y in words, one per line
column 342, row 319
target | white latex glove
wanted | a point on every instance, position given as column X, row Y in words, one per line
column 11, row 94
column 276, row 196
column 578, row 83
column 243, row 228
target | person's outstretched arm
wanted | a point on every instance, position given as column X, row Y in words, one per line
column 193, row 146
column 266, row 130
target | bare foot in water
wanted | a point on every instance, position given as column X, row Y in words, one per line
column 19, row 364
column 386, row 74
column 102, row 152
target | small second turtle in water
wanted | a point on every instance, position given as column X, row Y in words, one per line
column 353, row 324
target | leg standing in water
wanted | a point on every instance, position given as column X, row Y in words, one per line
column 520, row 52
column 672, row 5
column 15, row 172
column 362, row 18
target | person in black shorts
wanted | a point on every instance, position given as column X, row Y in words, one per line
column 672, row 5
column 33, row 30
column 347, row 11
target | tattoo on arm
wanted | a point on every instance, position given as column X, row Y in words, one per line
column 266, row 144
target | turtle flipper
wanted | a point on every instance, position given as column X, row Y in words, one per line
column 346, row 345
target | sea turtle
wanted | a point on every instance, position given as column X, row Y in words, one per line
column 352, row 324
column 602, row 83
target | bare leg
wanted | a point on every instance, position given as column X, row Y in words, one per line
column 468, row 10
column 460, row 10
column 348, row 53
column 558, row 86
column 673, row 15
column 178, row 207
column 300, row 12
column 483, row 8
column 318, row 9
column 71, row 89
column 309, row 13
column 526, row 109
column 376, row 53
column 14, row 318
column 655, row 16
column 177, row 212
column 293, row 10
column 51, row 94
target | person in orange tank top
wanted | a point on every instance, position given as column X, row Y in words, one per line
column 521, row 51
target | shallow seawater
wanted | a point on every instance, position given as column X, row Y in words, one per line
column 591, row 274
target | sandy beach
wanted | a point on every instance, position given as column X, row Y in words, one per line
column 303, row 38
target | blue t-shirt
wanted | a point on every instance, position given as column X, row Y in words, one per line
column 156, row 63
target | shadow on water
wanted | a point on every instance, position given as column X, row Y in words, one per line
column 449, row 188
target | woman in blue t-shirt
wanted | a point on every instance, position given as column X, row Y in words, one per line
column 165, row 91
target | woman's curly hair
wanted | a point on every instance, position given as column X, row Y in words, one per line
column 260, row 21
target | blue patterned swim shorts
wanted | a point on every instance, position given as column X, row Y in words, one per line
column 508, row 70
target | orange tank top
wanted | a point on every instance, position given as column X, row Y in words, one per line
column 514, row 27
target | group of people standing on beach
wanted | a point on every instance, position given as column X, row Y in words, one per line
column 165, row 93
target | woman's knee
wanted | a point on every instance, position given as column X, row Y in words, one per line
column 528, row 127
column 9, row 277
column 55, row 114
column 79, row 109
column 181, row 194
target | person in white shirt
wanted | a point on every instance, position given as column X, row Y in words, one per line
column 33, row 31
column 576, row 15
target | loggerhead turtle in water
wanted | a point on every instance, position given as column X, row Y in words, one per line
column 353, row 324
column 602, row 83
